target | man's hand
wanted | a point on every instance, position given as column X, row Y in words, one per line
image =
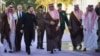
column 84, row 29
column 98, row 16
column 57, row 28
column 69, row 27
column 21, row 31
column 37, row 27
column 81, row 26
column 52, row 22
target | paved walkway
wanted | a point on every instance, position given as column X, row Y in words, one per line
column 66, row 50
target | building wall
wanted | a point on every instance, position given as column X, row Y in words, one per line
column 83, row 4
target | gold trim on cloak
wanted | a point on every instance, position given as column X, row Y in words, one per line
column 76, row 16
column 52, row 17
column 17, row 20
column 8, row 19
column 17, row 17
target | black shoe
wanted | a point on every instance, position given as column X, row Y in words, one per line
column 28, row 52
column 54, row 50
column 38, row 47
column 30, row 44
column 74, row 49
column 59, row 49
column 51, row 51
column 41, row 48
column 11, row 52
column 17, row 50
column 48, row 50
column 84, row 49
column 5, row 51
column 97, row 50
column 80, row 47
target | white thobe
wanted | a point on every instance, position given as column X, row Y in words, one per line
column 12, row 32
column 90, row 36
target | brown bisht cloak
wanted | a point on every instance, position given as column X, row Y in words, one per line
column 5, row 29
column 0, row 22
column 51, row 32
column 76, row 30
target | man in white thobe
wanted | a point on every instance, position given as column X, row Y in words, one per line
column 12, row 18
column 90, row 29
column 9, row 29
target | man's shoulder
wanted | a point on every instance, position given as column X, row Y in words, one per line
column 47, row 13
column 23, row 12
column 72, row 12
column 40, row 13
column 3, row 13
column 63, row 11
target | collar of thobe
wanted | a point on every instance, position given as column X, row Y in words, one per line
column 54, row 14
column 76, row 16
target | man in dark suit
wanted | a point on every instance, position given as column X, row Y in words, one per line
column 63, row 20
column 19, row 32
column 29, row 22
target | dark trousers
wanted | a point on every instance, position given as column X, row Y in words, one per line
column 98, row 43
column 60, row 35
column 28, row 35
column 18, row 40
column 40, row 38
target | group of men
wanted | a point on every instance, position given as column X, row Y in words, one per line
column 15, row 23
column 84, row 27
column 81, row 27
